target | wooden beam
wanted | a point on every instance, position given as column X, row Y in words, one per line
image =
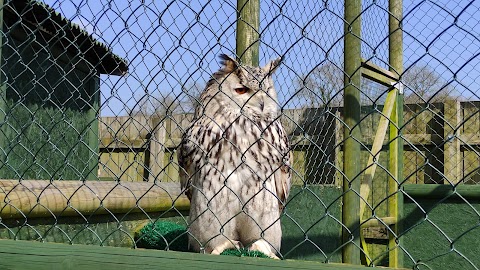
column 439, row 191
column 378, row 74
column 123, row 143
column 42, row 198
column 374, row 156
column 375, row 233
column 379, row 222
column 377, row 77
column 34, row 255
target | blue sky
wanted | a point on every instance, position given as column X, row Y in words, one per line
column 170, row 44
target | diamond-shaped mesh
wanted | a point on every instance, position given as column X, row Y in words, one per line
column 97, row 96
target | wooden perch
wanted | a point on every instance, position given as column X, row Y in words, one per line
column 378, row 74
column 42, row 198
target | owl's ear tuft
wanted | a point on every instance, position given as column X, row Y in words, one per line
column 229, row 64
column 273, row 65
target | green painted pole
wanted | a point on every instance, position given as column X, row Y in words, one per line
column 92, row 133
column 248, row 25
column 3, row 94
column 351, row 158
column 395, row 202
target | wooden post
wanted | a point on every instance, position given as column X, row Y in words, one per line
column 157, row 149
column 92, row 131
column 395, row 199
column 452, row 155
column 351, row 158
column 248, row 25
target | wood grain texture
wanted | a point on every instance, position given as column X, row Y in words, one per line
column 38, row 256
column 38, row 198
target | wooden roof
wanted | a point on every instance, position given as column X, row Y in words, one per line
column 67, row 34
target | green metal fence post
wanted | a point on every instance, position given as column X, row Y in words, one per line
column 351, row 161
column 395, row 202
column 3, row 92
column 248, row 25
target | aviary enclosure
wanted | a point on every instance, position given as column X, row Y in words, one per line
column 380, row 100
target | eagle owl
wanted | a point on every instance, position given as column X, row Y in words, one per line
column 235, row 162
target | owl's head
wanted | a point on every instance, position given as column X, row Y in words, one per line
column 241, row 89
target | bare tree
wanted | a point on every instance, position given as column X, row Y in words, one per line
column 424, row 84
column 148, row 104
column 155, row 105
column 190, row 99
column 322, row 86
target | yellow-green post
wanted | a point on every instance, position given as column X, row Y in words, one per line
column 248, row 25
column 395, row 201
column 351, row 158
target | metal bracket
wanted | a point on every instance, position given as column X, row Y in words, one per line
column 400, row 87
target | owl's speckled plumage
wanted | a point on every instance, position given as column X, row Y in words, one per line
column 235, row 162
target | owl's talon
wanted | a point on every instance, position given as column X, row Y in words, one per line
column 264, row 247
column 226, row 245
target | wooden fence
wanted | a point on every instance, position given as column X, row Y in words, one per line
column 441, row 143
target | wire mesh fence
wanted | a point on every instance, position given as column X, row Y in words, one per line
column 97, row 97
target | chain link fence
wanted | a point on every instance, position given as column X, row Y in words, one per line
column 96, row 96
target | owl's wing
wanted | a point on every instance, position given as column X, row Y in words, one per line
column 283, row 182
column 186, row 156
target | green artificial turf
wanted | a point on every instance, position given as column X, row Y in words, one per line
column 163, row 235
column 156, row 235
column 310, row 231
column 243, row 252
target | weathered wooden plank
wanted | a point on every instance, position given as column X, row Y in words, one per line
column 451, row 149
column 378, row 222
column 137, row 166
column 411, row 170
column 173, row 142
column 37, row 198
column 124, row 143
column 471, row 117
column 38, row 256
column 471, row 165
column 377, row 233
column 157, row 149
column 298, row 176
column 469, row 138
column 420, row 139
column 378, row 74
column 374, row 156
